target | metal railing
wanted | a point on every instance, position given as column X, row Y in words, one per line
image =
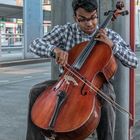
column 11, row 44
column 11, row 39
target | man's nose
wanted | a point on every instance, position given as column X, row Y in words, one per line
column 89, row 22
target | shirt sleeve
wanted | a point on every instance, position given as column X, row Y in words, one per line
column 122, row 51
column 43, row 47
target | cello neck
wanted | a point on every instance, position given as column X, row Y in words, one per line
column 86, row 51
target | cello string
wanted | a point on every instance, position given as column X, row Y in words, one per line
column 99, row 92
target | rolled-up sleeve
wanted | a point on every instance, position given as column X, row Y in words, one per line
column 43, row 47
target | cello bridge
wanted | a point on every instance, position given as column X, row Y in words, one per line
column 69, row 79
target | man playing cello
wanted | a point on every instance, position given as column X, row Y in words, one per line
column 60, row 40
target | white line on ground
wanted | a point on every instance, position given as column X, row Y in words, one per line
column 26, row 77
column 4, row 81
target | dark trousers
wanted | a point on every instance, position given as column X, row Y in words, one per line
column 105, row 129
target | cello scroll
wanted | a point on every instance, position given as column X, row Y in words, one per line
column 118, row 11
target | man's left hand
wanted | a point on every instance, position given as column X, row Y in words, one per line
column 102, row 36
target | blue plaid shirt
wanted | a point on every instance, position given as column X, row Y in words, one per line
column 68, row 35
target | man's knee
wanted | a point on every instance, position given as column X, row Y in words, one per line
column 37, row 89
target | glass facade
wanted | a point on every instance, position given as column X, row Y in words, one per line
column 11, row 29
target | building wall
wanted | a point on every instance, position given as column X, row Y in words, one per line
column 10, row 2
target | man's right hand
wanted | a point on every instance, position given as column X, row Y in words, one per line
column 61, row 56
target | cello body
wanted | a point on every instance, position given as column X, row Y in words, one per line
column 70, row 109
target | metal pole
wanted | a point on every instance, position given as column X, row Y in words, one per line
column 33, row 21
column 121, row 83
column 132, row 72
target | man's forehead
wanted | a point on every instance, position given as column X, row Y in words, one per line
column 86, row 13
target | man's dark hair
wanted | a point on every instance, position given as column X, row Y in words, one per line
column 88, row 5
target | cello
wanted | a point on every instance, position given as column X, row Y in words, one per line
column 70, row 108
